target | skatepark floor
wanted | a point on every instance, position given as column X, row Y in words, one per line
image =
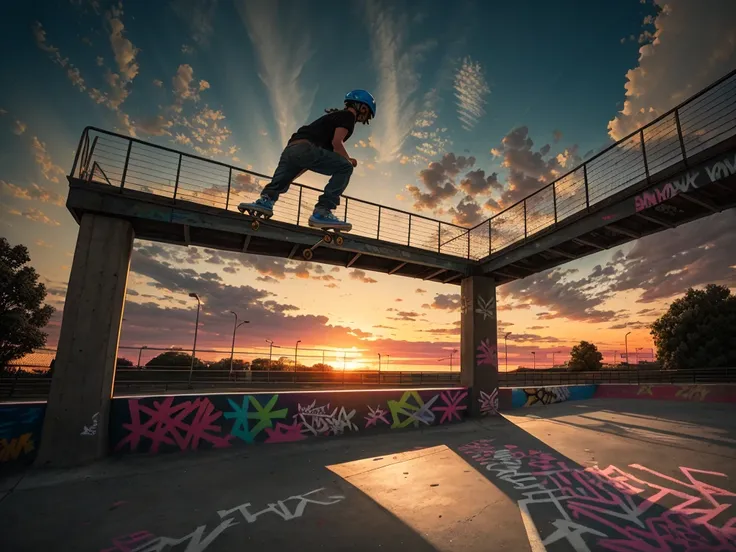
column 602, row 474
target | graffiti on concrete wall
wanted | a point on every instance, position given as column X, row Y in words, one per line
column 611, row 508
column 487, row 354
column 20, row 432
column 201, row 538
column 488, row 403
column 717, row 393
column 541, row 396
column 692, row 180
column 157, row 424
column 91, row 430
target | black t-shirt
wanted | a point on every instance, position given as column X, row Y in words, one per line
column 322, row 131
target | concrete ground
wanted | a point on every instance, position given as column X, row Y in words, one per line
column 594, row 475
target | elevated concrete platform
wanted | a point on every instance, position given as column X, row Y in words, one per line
column 591, row 475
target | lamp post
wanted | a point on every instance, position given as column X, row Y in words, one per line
column 232, row 348
column 196, row 328
column 553, row 357
column 270, row 352
column 534, row 360
column 140, row 352
column 614, row 358
column 296, row 353
column 379, row 367
column 506, row 347
column 637, row 354
column 626, row 346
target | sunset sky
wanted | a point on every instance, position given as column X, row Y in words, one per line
column 523, row 91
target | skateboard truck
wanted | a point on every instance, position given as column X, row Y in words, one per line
column 255, row 225
column 326, row 238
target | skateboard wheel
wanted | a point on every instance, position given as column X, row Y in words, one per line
column 241, row 210
column 307, row 253
column 255, row 225
column 327, row 238
column 339, row 240
column 268, row 217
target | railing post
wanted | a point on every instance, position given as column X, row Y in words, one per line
column 554, row 199
column 346, row 209
column 299, row 207
column 490, row 239
column 178, row 171
column 679, row 135
column 439, row 236
column 125, row 168
column 468, row 244
column 587, row 193
column 83, row 139
column 644, row 154
column 229, row 182
column 525, row 236
column 378, row 229
column 408, row 238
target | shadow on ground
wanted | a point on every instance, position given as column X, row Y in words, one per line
column 557, row 478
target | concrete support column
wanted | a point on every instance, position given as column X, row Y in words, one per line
column 75, row 429
column 478, row 343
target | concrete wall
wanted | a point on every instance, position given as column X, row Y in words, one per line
column 20, row 433
column 717, row 392
column 176, row 423
column 539, row 396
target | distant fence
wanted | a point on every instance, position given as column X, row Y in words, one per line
column 21, row 386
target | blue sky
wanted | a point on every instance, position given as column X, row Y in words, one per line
column 463, row 80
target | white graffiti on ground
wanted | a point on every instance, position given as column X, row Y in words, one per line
column 318, row 420
column 198, row 540
column 611, row 509
column 92, row 429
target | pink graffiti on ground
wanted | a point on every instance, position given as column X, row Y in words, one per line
column 130, row 543
column 183, row 425
column 374, row 415
column 625, row 511
column 452, row 407
column 285, row 433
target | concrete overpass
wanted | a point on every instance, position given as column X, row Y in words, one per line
column 680, row 167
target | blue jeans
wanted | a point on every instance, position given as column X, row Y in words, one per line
column 304, row 155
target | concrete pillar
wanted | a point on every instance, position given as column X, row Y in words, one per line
column 478, row 343
column 76, row 422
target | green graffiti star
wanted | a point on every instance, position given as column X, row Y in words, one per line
column 264, row 414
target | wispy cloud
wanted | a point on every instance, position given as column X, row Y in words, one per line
column 32, row 192
column 471, row 89
column 283, row 50
column 35, row 215
column 396, row 64
column 49, row 169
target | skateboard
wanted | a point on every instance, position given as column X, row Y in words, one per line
column 330, row 234
column 255, row 215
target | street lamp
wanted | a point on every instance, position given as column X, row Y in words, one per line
column 379, row 367
column 450, row 357
column 534, row 360
column 270, row 352
column 296, row 353
column 196, row 328
column 232, row 349
column 626, row 346
column 140, row 352
column 506, row 346
column 637, row 354
column 553, row 357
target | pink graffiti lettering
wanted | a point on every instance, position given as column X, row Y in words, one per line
column 487, row 353
column 452, row 405
column 183, row 425
column 284, row 433
column 374, row 415
column 644, row 512
column 666, row 191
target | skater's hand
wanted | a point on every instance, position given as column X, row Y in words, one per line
column 353, row 162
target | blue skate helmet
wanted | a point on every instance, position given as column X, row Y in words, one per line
column 364, row 97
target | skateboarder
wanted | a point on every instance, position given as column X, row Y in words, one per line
column 319, row 147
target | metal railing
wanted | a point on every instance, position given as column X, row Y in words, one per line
column 698, row 123
column 541, row 378
column 131, row 164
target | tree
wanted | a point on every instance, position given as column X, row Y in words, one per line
column 174, row 360
column 224, row 364
column 320, row 367
column 698, row 330
column 124, row 363
column 585, row 357
column 22, row 312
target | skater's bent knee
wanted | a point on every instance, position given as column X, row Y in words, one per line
column 346, row 168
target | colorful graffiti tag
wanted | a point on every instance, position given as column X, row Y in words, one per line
column 715, row 393
column 20, row 433
column 610, row 508
column 531, row 396
column 158, row 424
